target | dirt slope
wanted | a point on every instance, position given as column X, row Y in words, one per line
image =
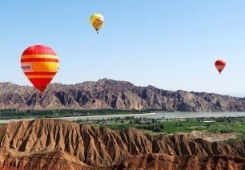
column 60, row 144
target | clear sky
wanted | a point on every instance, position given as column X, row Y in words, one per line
column 170, row 44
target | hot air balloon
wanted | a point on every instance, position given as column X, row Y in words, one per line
column 97, row 20
column 40, row 64
column 220, row 65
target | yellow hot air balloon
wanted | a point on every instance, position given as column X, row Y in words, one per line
column 97, row 21
column 40, row 64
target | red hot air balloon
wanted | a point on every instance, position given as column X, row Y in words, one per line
column 220, row 65
column 40, row 64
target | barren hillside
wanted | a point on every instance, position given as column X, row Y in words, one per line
column 60, row 144
column 111, row 94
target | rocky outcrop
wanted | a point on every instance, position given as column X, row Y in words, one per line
column 161, row 161
column 58, row 144
column 111, row 94
column 12, row 159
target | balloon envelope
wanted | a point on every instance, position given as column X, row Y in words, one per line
column 220, row 65
column 97, row 21
column 40, row 64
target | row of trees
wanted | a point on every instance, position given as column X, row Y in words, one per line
column 13, row 113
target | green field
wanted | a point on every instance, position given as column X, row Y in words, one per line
column 170, row 126
column 153, row 126
column 223, row 125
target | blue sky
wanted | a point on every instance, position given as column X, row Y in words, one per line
column 170, row 44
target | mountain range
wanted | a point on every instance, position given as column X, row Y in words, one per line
column 112, row 94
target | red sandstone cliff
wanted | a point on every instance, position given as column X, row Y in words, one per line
column 60, row 144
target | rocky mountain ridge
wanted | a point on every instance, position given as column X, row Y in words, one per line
column 111, row 94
